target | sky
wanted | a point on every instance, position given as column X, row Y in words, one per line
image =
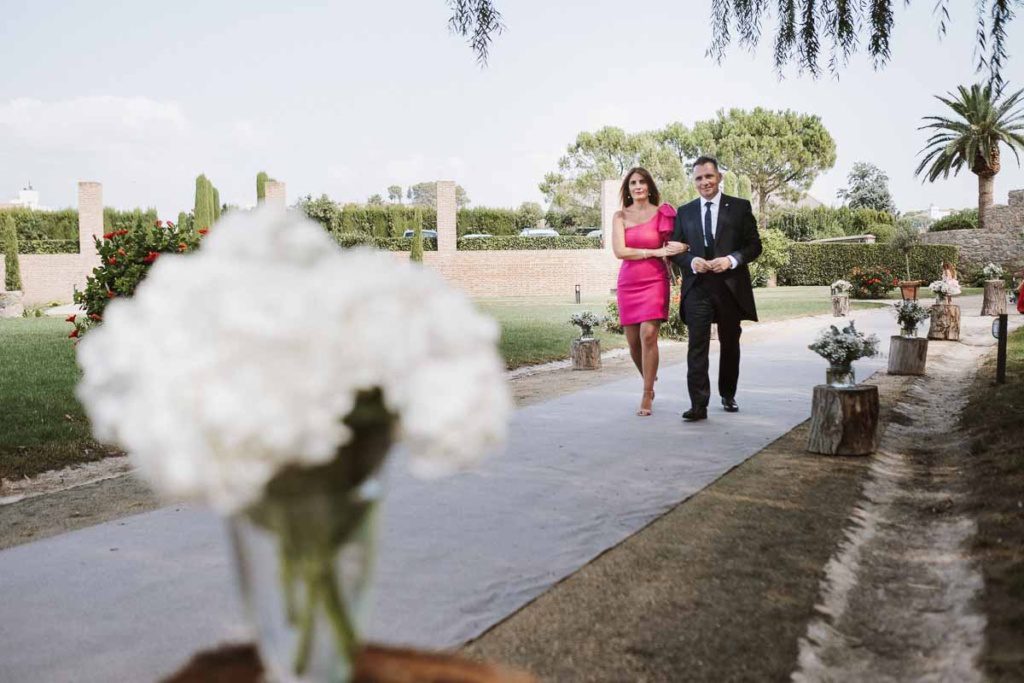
column 345, row 99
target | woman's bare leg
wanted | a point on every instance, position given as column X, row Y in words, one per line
column 635, row 349
column 649, row 361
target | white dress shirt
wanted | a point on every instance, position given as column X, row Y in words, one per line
column 716, row 203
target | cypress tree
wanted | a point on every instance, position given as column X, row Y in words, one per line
column 745, row 190
column 182, row 219
column 203, row 211
column 730, row 184
column 216, row 203
column 12, row 275
column 261, row 186
column 416, row 252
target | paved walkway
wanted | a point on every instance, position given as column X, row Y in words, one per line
column 132, row 599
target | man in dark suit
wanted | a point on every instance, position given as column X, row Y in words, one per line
column 722, row 236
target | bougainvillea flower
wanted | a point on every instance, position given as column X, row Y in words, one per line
column 108, row 235
column 203, row 231
column 74, row 333
column 95, row 316
column 121, row 232
column 159, row 224
column 182, row 247
column 170, row 224
column 69, row 319
column 122, row 252
column 110, row 294
column 150, row 257
column 112, row 260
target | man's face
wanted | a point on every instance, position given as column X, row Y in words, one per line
column 707, row 179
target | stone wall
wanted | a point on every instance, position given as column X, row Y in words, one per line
column 1002, row 242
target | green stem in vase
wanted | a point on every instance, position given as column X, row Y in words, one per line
column 337, row 614
column 307, row 624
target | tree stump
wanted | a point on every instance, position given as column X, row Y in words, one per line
column 844, row 420
column 994, row 302
column 586, row 354
column 840, row 305
column 907, row 355
column 945, row 323
column 11, row 305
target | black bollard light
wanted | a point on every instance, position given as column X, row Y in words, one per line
column 999, row 331
column 577, row 293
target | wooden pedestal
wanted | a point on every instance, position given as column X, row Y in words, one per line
column 994, row 302
column 586, row 354
column 945, row 324
column 907, row 355
column 840, row 305
column 844, row 421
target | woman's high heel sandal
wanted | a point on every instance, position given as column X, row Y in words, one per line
column 647, row 400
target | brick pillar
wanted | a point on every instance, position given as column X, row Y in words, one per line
column 447, row 212
column 90, row 221
column 610, row 203
column 275, row 194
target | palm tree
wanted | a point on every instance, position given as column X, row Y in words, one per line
column 985, row 118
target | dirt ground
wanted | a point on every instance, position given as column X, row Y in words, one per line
column 58, row 502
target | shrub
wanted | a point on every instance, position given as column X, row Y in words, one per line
column 346, row 240
column 774, row 255
column 960, row 220
column 801, row 225
column 125, row 257
column 9, row 239
column 821, row 264
column 529, row 243
column 48, row 246
column 871, row 282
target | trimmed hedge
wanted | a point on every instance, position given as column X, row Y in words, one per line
column 801, row 225
column 347, row 239
column 822, row 264
column 515, row 242
column 48, row 247
column 63, row 225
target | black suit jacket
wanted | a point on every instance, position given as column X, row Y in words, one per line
column 736, row 236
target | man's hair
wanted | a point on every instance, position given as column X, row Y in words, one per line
column 701, row 160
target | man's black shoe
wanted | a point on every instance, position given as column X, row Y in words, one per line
column 730, row 405
column 694, row 414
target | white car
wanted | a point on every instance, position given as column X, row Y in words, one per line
column 597, row 232
column 427, row 234
column 475, row 236
column 538, row 232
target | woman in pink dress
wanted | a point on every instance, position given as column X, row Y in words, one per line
column 640, row 232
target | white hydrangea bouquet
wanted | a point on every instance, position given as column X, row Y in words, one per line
column 586, row 321
column 946, row 287
column 840, row 287
column 992, row 271
column 267, row 375
column 841, row 347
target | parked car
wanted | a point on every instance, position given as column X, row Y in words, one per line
column 538, row 232
column 596, row 232
column 475, row 236
column 427, row 234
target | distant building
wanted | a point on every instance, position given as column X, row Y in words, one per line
column 935, row 213
column 28, row 198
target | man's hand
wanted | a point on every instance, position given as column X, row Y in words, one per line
column 700, row 265
column 675, row 248
column 719, row 265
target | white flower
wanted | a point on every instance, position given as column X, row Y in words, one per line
column 240, row 359
column 841, row 287
column 992, row 271
column 946, row 287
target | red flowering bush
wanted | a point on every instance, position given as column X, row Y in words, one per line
column 871, row 282
column 125, row 257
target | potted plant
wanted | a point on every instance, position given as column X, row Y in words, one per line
column 840, row 290
column 841, row 347
column 904, row 241
column 586, row 349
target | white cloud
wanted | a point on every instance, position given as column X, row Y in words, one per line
column 91, row 124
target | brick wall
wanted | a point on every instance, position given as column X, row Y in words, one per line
column 1001, row 243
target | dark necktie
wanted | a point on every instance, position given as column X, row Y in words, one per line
column 709, row 239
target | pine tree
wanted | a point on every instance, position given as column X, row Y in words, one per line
column 9, row 233
column 261, row 186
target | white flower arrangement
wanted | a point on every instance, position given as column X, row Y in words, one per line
column 840, row 287
column 910, row 314
column 992, row 271
column 586, row 321
column 842, row 347
column 240, row 360
column 946, row 287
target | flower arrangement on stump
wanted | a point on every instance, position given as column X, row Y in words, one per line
column 840, row 297
column 945, row 289
column 840, row 288
column 586, row 321
column 268, row 374
column 841, row 347
column 126, row 255
column 910, row 314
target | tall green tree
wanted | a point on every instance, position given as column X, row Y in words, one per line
column 782, row 152
column 216, row 204
column 183, row 220
column 868, row 189
column 395, row 194
column 983, row 119
column 203, row 208
column 12, row 268
column 261, row 186
column 416, row 251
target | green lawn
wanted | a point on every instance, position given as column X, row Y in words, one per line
column 43, row 425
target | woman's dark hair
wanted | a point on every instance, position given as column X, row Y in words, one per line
column 653, row 196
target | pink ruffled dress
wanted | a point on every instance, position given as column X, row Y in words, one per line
column 643, row 284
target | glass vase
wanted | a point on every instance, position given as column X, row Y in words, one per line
column 840, row 376
column 909, row 330
column 305, row 565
